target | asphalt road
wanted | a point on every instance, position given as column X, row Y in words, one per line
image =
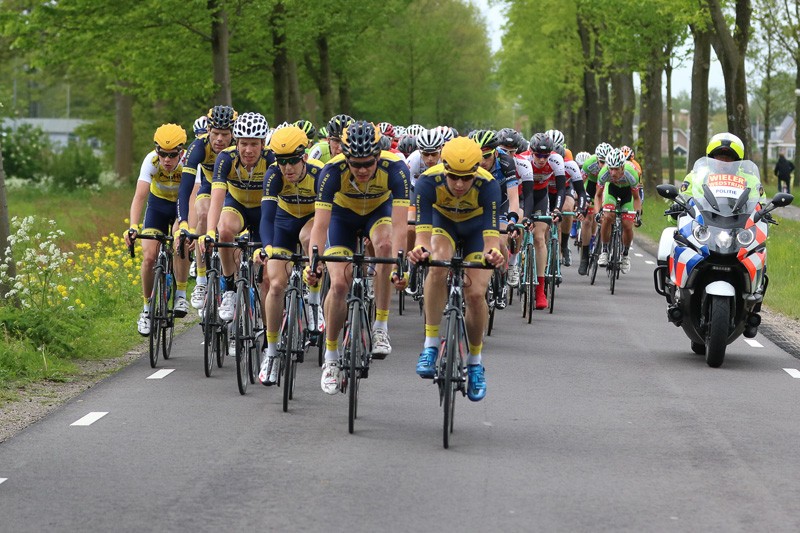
column 597, row 418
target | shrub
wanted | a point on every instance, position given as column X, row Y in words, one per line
column 25, row 152
column 75, row 167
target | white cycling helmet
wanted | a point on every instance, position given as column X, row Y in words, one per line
column 615, row 159
column 430, row 140
column 446, row 131
column 250, row 126
column 414, row 130
column 602, row 151
column 581, row 158
column 556, row 135
column 200, row 125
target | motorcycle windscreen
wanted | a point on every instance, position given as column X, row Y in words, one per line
column 725, row 192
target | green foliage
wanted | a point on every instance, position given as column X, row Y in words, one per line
column 75, row 167
column 25, row 152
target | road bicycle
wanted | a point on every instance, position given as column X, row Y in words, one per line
column 552, row 273
column 526, row 261
column 248, row 318
column 162, row 299
column 451, row 370
column 355, row 358
column 615, row 248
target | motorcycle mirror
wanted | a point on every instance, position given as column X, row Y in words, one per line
column 782, row 199
column 667, row 190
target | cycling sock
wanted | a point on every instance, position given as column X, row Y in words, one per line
column 585, row 252
column 474, row 357
column 146, row 305
column 180, row 293
column 313, row 293
column 272, row 343
column 331, row 351
column 625, row 251
column 564, row 241
column 230, row 284
column 605, row 247
column 432, row 336
column 381, row 320
column 201, row 273
column 201, row 280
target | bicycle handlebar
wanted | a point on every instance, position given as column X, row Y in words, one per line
column 163, row 239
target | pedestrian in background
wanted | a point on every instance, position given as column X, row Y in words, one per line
column 783, row 169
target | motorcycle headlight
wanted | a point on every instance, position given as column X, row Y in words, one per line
column 723, row 239
column 745, row 237
column 701, row 233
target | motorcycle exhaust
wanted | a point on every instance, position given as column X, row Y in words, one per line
column 675, row 315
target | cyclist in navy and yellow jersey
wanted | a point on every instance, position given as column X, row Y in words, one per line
column 287, row 215
column 236, row 193
column 457, row 200
column 198, row 168
column 332, row 145
column 159, row 179
column 363, row 189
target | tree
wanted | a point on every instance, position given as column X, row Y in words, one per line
column 731, row 47
column 5, row 232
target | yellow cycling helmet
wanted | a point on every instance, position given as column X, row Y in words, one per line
column 461, row 156
column 288, row 140
column 727, row 144
column 169, row 137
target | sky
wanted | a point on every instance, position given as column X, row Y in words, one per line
column 681, row 76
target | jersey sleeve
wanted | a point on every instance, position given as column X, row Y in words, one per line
column 399, row 183
column 147, row 170
column 329, row 180
column 195, row 155
column 489, row 199
column 425, row 189
column 222, row 168
column 509, row 170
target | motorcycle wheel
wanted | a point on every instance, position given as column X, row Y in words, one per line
column 717, row 337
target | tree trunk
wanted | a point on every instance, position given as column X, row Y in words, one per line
column 590, row 134
column 650, row 125
column 123, row 138
column 294, row 91
column 767, row 104
column 604, row 105
column 5, row 231
column 345, row 103
column 698, row 116
column 219, row 53
column 797, row 126
column 280, row 78
column 731, row 50
column 670, row 121
column 623, row 99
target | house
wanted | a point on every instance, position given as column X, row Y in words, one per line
column 781, row 139
column 60, row 130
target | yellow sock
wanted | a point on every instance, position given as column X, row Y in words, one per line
column 332, row 345
column 272, row 338
column 182, row 286
column 201, row 269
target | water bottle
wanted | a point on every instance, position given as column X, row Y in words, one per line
column 169, row 287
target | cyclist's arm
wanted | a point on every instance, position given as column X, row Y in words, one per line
column 399, row 183
column 219, row 188
column 269, row 206
column 195, row 155
column 425, row 196
column 327, row 182
column 146, row 172
column 556, row 163
column 489, row 199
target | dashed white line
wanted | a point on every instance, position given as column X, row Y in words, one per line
column 793, row 372
column 638, row 255
column 754, row 344
column 161, row 374
column 3, row 479
column 649, row 262
column 90, row 419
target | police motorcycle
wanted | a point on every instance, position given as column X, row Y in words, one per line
column 712, row 268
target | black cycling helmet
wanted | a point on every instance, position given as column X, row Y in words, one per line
column 337, row 125
column 361, row 139
column 541, row 143
column 407, row 145
column 486, row 139
column 509, row 137
column 308, row 128
column 222, row 117
column 385, row 142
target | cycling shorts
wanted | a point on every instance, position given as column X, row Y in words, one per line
column 159, row 216
column 469, row 233
column 286, row 231
column 205, row 186
column 613, row 193
column 346, row 224
column 249, row 218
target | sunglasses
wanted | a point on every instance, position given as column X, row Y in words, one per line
column 284, row 161
column 435, row 152
column 361, row 164
column 487, row 155
column 458, row 177
column 542, row 155
column 168, row 155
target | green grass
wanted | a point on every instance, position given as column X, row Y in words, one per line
column 783, row 256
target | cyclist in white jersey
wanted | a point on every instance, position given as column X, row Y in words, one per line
column 428, row 153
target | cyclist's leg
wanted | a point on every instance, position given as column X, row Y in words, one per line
column 277, row 273
column 476, row 315
column 231, row 222
column 181, row 268
column 317, row 323
column 380, row 234
column 565, row 225
column 435, row 290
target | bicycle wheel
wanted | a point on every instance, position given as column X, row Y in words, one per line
column 288, row 340
column 155, row 316
column 210, row 332
column 553, row 275
column 491, row 298
column 353, row 348
column 450, row 386
column 401, row 301
column 256, row 333
column 169, row 326
column 530, row 287
column 613, row 261
column 241, row 331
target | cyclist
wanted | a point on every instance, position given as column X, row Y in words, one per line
column 428, row 153
column 575, row 192
column 503, row 168
column 510, row 141
column 457, row 200
column 238, row 185
column 387, row 130
column 616, row 183
column 198, row 168
column 590, row 169
column 331, row 147
column 200, row 126
column 406, row 145
column 363, row 189
column 308, row 128
column 638, row 192
column 547, row 166
column 158, row 183
column 287, row 215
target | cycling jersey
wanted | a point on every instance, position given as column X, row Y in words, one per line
column 243, row 186
column 320, row 151
column 163, row 184
column 339, row 187
column 198, row 155
column 619, row 189
column 523, row 167
column 505, row 172
column 629, row 176
column 286, row 207
column 591, row 168
column 415, row 165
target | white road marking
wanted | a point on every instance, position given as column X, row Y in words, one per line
column 754, row 344
column 90, row 419
column 649, row 262
column 161, row 374
column 638, row 255
column 793, row 372
column 2, row 479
